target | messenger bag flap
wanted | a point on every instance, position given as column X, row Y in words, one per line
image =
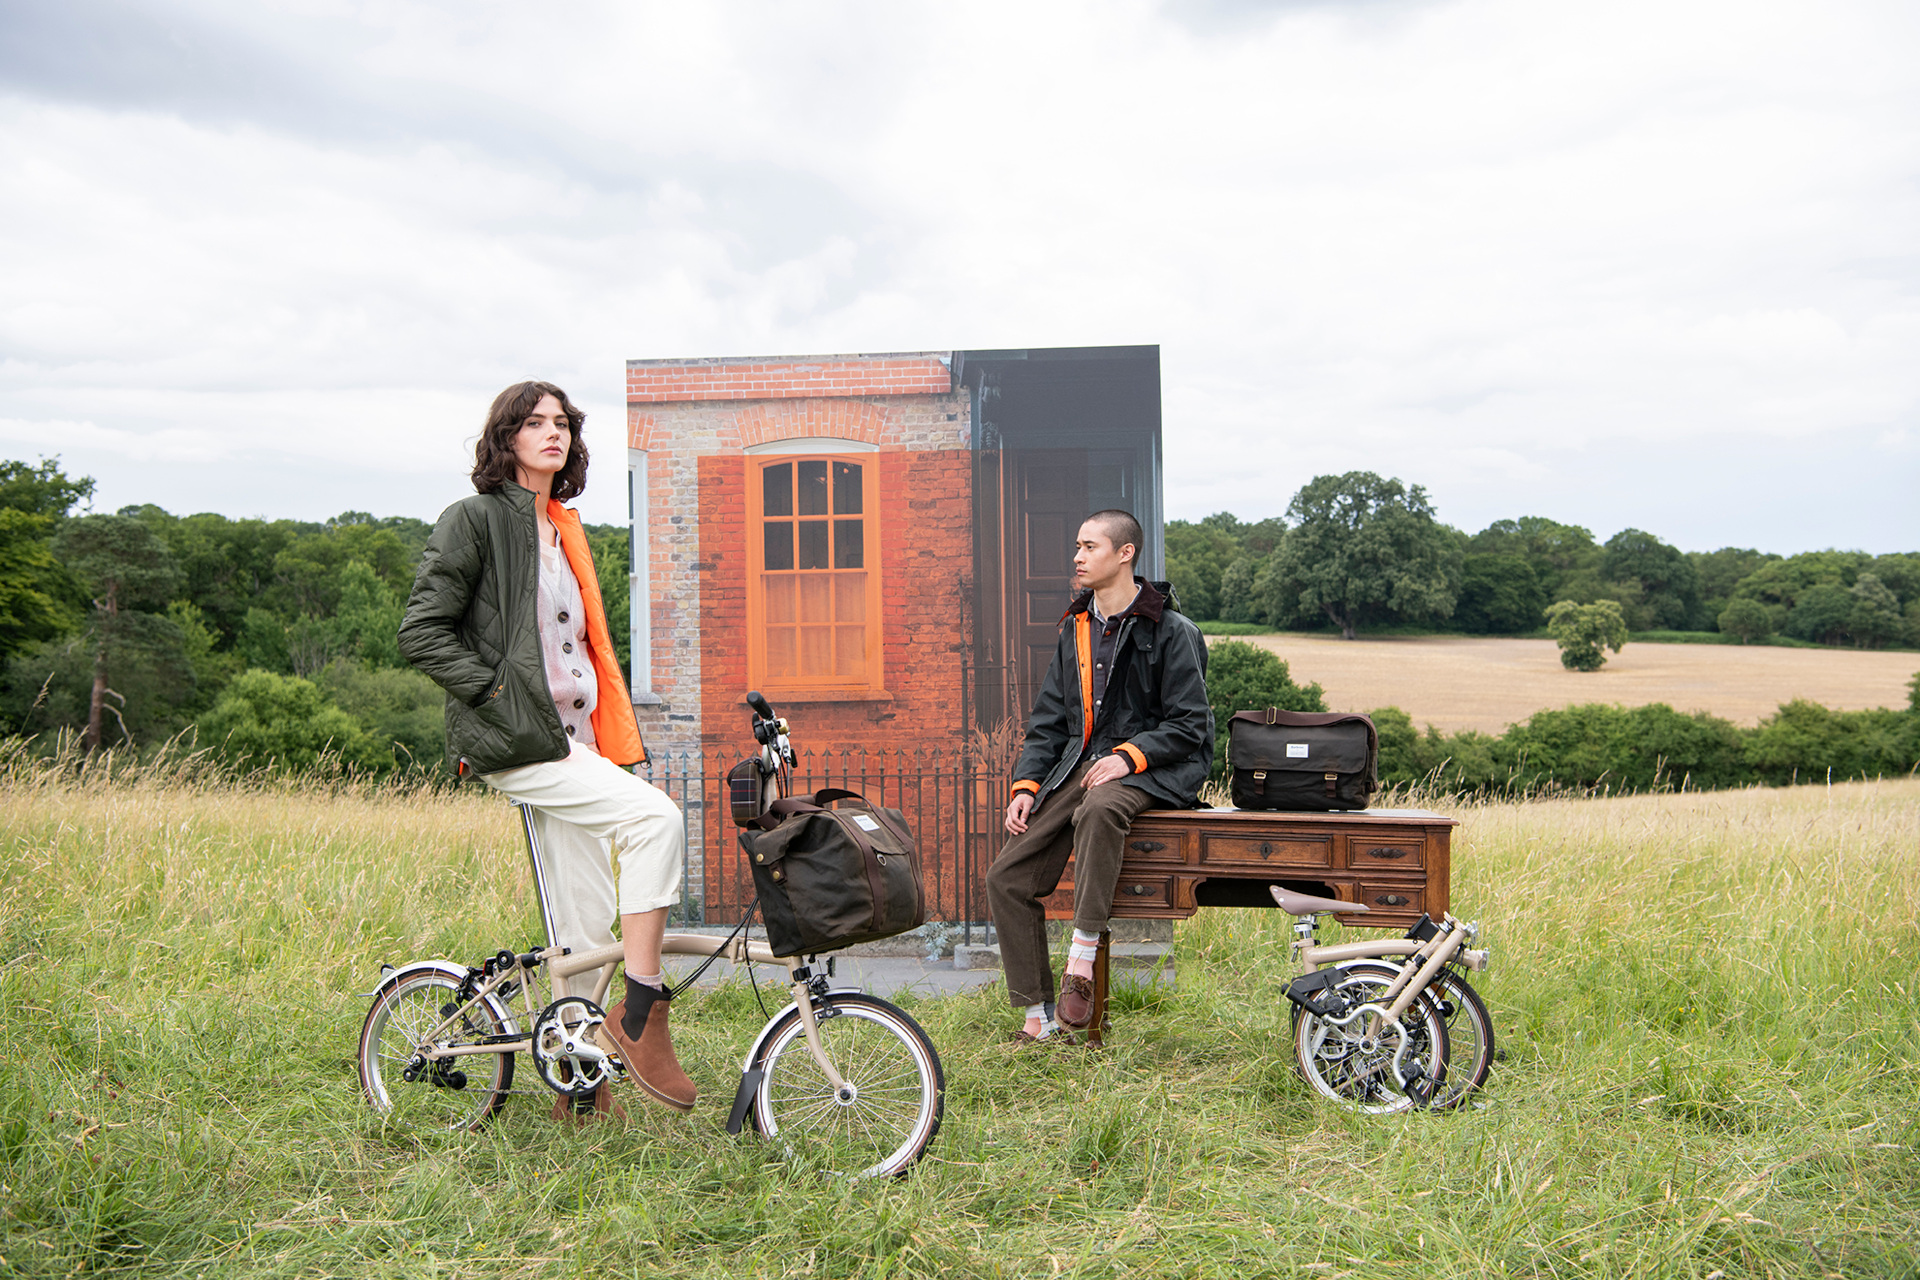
column 1307, row 741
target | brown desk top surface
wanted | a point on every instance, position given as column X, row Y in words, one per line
column 1410, row 817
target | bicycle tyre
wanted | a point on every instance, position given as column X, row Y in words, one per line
column 1469, row 1033
column 1338, row 1065
column 900, row 1090
column 468, row 1091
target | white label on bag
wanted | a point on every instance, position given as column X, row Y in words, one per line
column 865, row 823
column 1296, row 751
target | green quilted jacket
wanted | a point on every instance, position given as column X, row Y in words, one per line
column 471, row 626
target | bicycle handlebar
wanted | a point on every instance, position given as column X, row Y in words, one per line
column 760, row 705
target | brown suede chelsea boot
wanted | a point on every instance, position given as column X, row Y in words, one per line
column 636, row 1028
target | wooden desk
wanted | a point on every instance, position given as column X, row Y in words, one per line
column 1395, row 861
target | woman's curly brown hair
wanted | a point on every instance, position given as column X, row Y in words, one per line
column 493, row 463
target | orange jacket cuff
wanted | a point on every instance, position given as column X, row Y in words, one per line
column 1026, row 784
column 1134, row 754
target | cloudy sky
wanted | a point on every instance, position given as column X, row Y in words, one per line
column 1648, row 264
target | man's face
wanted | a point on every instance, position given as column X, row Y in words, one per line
column 543, row 441
column 1097, row 563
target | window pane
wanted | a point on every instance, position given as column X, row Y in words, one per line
column 813, row 488
column 849, row 544
column 779, row 544
column 780, row 654
column 816, row 652
column 846, row 488
column 776, row 490
column 849, row 597
column 779, row 594
column 850, row 653
column 813, row 544
column 816, row 597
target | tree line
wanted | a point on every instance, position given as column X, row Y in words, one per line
column 264, row 641
column 1357, row 551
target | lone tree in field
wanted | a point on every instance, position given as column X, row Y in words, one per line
column 1584, row 630
column 1362, row 547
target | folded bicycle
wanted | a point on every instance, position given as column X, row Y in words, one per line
column 1388, row 1023
column 845, row 1078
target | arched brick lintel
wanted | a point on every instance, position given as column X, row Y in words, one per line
column 640, row 429
column 860, row 420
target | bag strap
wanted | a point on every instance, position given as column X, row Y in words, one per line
column 783, row 808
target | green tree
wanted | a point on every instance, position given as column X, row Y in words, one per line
column 1718, row 572
column 403, row 711
column 1749, row 620
column 1821, row 613
column 1362, row 548
column 1584, row 630
column 1639, row 749
column 1558, row 552
column 1876, row 613
column 612, row 548
column 1238, row 600
column 1499, row 594
column 127, row 573
column 1781, row 582
column 43, row 490
column 263, row 719
column 1668, row 592
column 1246, row 677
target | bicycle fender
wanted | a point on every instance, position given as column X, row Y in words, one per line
column 456, row 972
column 743, row 1099
column 753, row 1051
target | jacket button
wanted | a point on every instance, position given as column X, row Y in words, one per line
column 563, row 615
column 566, row 646
column 579, row 703
column 569, row 731
column 576, row 674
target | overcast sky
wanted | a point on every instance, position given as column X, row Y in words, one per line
column 1647, row 264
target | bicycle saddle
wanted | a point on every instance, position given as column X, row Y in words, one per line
column 1299, row 904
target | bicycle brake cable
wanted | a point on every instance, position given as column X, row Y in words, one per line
column 706, row 964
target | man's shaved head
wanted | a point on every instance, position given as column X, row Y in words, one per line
column 1121, row 529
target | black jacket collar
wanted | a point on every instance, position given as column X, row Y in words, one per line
column 1149, row 604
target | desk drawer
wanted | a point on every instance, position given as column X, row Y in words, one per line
column 1267, row 851
column 1387, row 853
column 1133, row 893
column 1407, row 900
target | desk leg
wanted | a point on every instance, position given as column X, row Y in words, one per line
column 1098, row 1026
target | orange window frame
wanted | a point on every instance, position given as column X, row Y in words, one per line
column 813, row 619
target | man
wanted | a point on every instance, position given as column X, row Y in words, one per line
column 1121, row 725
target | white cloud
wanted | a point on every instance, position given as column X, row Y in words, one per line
column 1609, row 257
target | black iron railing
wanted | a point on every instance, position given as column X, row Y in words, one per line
column 954, row 802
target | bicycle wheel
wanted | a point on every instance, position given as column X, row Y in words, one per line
column 1469, row 1031
column 446, row 1093
column 1356, row 1069
column 896, row 1093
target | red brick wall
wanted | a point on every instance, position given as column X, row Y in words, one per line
column 926, row 558
column 656, row 381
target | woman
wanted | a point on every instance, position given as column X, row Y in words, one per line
column 505, row 616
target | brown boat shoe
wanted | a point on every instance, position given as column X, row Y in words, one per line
column 600, row 1104
column 649, row 1056
column 1075, row 1009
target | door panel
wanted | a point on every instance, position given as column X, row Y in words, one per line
column 1050, row 500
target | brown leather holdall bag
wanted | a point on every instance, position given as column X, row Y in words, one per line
column 1302, row 760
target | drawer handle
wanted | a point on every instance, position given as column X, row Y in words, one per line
column 1386, row 852
column 1266, row 850
column 1148, row 846
column 1138, row 890
column 1392, row 900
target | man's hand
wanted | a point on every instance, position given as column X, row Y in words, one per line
column 1106, row 769
column 1017, row 812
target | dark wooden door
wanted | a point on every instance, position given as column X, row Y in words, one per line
column 1049, row 502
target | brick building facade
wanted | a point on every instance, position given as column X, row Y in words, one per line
column 877, row 542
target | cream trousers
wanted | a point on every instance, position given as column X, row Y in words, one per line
column 607, row 838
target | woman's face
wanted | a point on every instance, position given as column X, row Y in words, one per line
column 541, row 444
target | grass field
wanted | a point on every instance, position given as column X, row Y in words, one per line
column 1707, row 1003
column 1471, row 682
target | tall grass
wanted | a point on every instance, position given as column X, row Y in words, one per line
column 1707, row 1005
